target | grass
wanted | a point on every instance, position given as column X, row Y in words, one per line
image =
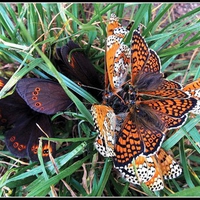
column 29, row 32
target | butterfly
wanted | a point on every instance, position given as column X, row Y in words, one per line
column 21, row 131
column 155, row 106
column 42, row 95
column 71, row 61
column 193, row 89
column 152, row 170
column 117, row 58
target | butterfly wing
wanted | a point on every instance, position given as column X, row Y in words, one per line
column 72, row 61
column 3, row 81
column 23, row 139
column 115, row 28
column 17, row 138
column 169, row 167
column 143, row 130
column 140, row 170
column 105, row 122
column 166, row 168
column 136, row 137
column 77, row 66
column 147, row 78
column 193, row 89
column 43, row 95
column 171, row 112
column 139, row 55
column 151, row 170
column 11, row 107
column 41, row 127
column 156, row 183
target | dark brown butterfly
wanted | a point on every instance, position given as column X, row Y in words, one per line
column 71, row 61
column 21, row 121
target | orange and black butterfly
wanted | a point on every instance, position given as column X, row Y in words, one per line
column 151, row 170
column 155, row 106
column 117, row 58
